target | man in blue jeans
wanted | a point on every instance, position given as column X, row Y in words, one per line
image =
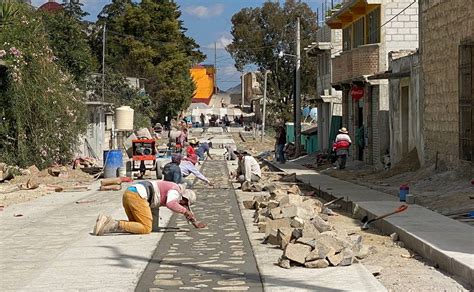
column 280, row 144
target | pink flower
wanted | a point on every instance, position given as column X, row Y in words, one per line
column 15, row 52
column 2, row 53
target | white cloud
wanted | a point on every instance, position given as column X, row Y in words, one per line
column 221, row 42
column 205, row 11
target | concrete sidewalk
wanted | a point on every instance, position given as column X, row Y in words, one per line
column 445, row 241
column 51, row 248
column 351, row 278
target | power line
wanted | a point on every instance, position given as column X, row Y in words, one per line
column 395, row 16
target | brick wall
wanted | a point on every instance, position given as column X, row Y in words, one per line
column 444, row 25
column 363, row 60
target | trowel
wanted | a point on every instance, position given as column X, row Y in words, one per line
column 367, row 222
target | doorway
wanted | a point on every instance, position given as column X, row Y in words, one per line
column 405, row 109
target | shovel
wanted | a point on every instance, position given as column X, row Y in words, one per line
column 367, row 222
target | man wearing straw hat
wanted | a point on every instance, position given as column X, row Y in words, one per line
column 341, row 145
column 140, row 198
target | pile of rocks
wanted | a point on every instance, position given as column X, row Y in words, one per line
column 299, row 225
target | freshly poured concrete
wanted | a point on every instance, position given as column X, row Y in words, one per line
column 51, row 246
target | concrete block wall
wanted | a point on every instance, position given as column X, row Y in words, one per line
column 401, row 32
column 444, row 25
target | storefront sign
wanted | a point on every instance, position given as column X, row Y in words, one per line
column 357, row 92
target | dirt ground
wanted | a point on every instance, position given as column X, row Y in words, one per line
column 10, row 192
column 397, row 268
column 447, row 192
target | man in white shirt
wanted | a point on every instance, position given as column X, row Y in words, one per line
column 248, row 168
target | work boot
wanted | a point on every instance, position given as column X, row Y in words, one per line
column 106, row 224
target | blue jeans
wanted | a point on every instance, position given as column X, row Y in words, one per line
column 280, row 153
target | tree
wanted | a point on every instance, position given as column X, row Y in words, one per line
column 148, row 40
column 42, row 113
column 69, row 41
column 260, row 33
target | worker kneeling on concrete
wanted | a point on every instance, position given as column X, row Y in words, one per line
column 248, row 168
column 140, row 198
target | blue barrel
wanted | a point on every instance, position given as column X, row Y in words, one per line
column 112, row 161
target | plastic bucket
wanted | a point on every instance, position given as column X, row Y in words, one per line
column 112, row 161
column 404, row 191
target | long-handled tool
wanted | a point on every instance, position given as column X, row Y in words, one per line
column 333, row 201
column 367, row 222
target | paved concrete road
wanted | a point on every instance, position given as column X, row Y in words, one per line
column 219, row 257
column 50, row 247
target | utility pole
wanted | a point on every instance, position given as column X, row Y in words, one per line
column 264, row 103
column 242, row 89
column 215, row 68
column 103, row 62
column 298, row 92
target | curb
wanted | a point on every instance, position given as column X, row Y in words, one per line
column 412, row 241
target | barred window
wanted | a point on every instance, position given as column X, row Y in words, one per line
column 347, row 38
column 466, row 102
column 359, row 36
column 373, row 25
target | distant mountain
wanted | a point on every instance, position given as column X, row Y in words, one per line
column 234, row 90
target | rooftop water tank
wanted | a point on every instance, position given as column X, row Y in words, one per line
column 124, row 118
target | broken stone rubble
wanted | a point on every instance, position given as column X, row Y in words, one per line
column 299, row 227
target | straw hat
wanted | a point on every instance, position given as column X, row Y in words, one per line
column 343, row 130
column 190, row 195
column 193, row 141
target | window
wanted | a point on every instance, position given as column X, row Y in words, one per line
column 323, row 62
column 347, row 38
column 373, row 24
column 359, row 36
column 466, row 102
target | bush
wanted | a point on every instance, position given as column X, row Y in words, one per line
column 42, row 112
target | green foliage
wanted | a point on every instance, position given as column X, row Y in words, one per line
column 68, row 40
column 147, row 40
column 42, row 113
column 260, row 33
column 118, row 92
column 8, row 10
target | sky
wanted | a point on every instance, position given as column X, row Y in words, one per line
column 208, row 22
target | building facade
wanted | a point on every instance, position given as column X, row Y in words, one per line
column 406, row 106
column 370, row 30
column 328, row 99
column 447, row 58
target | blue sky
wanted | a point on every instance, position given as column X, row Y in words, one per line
column 207, row 21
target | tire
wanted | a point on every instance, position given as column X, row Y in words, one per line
column 159, row 173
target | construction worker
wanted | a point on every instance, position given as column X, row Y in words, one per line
column 248, row 168
column 203, row 150
column 172, row 171
column 140, row 198
column 188, row 166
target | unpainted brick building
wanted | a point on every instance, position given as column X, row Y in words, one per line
column 447, row 58
column 370, row 30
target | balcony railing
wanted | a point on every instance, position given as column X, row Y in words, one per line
column 355, row 63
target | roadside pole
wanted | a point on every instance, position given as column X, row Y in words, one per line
column 264, row 103
column 298, row 92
